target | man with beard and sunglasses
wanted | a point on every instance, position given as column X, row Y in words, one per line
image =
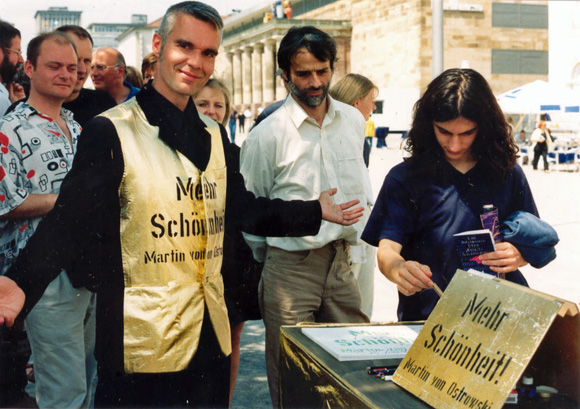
column 11, row 54
column 310, row 143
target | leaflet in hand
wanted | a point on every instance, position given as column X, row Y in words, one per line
column 470, row 245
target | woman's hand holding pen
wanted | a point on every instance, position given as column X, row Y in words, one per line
column 412, row 277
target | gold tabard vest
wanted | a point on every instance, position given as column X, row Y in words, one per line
column 172, row 228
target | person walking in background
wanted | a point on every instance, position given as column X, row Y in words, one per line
column 232, row 124
column 312, row 141
column 463, row 156
column 522, row 139
column 542, row 139
column 241, row 121
column 369, row 135
column 360, row 92
column 248, row 115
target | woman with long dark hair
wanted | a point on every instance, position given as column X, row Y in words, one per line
column 462, row 158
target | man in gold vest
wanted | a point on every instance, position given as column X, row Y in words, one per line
column 140, row 220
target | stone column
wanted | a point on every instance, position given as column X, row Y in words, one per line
column 247, row 76
column 238, row 78
column 269, row 71
column 228, row 77
column 280, row 90
column 257, row 96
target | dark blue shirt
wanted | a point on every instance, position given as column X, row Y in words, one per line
column 422, row 209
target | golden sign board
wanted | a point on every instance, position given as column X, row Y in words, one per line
column 477, row 342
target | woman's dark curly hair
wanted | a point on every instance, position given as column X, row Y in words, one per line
column 465, row 93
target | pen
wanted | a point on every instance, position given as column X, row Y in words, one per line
column 437, row 290
column 381, row 370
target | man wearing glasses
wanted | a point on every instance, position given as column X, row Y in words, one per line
column 108, row 73
column 11, row 58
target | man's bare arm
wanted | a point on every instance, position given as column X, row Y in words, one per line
column 33, row 206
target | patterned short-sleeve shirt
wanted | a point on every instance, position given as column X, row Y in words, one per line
column 35, row 156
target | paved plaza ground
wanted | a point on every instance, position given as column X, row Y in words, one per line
column 557, row 196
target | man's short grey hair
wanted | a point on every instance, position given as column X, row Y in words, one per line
column 200, row 11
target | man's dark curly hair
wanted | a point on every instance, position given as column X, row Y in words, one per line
column 465, row 93
column 316, row 41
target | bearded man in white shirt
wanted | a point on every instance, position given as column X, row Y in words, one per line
column 310, row 144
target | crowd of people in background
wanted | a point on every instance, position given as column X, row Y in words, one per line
column 134, row 251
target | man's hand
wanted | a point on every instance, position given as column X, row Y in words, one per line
column 338, row 213
column 11, row 301
column 505, row 259
column 15, row 91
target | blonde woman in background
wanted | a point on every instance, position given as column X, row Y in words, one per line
column 360, row 92
column 214, row 100
column 240, row 272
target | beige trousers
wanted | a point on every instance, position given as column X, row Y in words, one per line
column 305, row 286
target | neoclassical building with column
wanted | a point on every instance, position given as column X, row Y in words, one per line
column 250, row 63
column 390, row 42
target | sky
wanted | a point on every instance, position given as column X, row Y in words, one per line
column 21, row 12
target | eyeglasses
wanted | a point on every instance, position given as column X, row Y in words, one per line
column 100, row 68
column 14, row 51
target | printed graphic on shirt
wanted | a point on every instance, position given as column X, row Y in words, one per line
column 35, row 156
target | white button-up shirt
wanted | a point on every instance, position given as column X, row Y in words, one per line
column 4, row 100
column 289, row 156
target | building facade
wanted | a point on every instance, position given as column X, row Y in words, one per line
column 564, row 43
column 135, row 43
column 48, row 20
column 390, row 41
column 106, row 34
